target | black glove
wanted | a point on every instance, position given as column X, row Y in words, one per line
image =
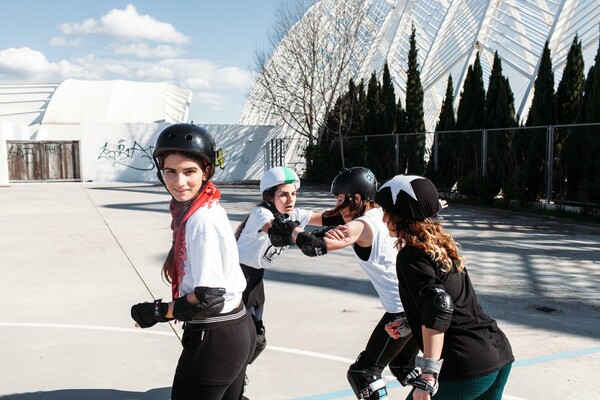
column 148, row 314
column 281, row 230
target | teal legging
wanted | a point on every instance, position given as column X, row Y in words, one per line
column 487, row 387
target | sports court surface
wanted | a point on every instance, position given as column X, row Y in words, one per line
column 75, row 257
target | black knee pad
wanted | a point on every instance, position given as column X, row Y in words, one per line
column 261, row 340
column 365, row 378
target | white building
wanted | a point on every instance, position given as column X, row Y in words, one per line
column 104, row 131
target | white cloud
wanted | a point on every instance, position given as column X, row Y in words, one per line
column 211, row 100
column 142, row 50
column 24, row 63
column 195, row 83
column 127, row 24
column 64, row 42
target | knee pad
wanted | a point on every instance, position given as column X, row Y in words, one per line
column 261, row 340
column 365, row 378
column 367, row 384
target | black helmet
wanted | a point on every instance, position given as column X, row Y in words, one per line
column 355, row 180
column 188, row 138
column 409, row 196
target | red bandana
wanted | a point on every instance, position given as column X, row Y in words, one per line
column 180, row 213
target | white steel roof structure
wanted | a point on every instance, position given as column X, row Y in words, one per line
column 117, row 101
column 449, row 33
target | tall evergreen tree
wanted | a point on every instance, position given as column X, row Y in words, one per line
column 570, row 89
column 569, row 97
column 384, row 163
column 388, row 102
column 445, row 176
column 543, row 105
column 401, row 128
column 586, row 179
column 531, row 143
column 499, row 113
column 373, row 123
column 414, row 144
column 470, row 116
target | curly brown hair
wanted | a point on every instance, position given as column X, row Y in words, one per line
column 429, row 236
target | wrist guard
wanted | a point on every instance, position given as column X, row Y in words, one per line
column 148, row 314
column 280, row 232
column 428, row 366
column 311, row 245
column 210, row 303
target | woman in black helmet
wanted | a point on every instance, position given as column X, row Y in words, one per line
column 203, row 269
column 364, row 230
column 465, row 355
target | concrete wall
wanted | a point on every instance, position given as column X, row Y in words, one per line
column 116, row 152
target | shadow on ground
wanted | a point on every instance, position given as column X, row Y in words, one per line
column 92, row 394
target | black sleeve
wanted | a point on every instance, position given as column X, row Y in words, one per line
column 421, row 280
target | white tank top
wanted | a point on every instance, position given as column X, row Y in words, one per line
column 381, row 265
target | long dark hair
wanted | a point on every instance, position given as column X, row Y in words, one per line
column 356, row 208
column 208, row 169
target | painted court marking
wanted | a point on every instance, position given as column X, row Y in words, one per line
column 322, row 396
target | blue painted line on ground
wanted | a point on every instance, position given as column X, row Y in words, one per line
column 555, row 357
column 517, row 364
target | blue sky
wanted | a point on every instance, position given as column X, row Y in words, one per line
column 206, row 46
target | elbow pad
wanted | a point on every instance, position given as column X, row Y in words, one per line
column 437, row 311
column 210, row 303
column 311, row 245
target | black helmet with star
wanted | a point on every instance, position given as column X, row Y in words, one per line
column 409, row 196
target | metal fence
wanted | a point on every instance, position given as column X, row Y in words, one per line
column 558, row 153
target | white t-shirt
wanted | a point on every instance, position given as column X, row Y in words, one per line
column 254, row 247
column 381, row 265
column 212, row 257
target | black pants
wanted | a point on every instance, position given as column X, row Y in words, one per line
column 382, row 350
column 254, row 294
column 213, row 362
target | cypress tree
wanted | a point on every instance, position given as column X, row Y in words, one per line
column 531, row 143
column 401, row 128
column 470, row 116
column 415, row 144
column 589, row 180
column 570, row 89
column 569, row 97
column 499, row 113
column 373, row 123
column 445, row 176
column 386, row 157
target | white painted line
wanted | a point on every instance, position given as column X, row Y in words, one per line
column 154, row 332
column 89, row 327
column 310, row 354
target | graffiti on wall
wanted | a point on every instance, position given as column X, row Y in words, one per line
column 130, row 156
column 21, row 152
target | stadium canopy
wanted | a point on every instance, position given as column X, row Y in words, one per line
column 117, row 101
column 449, row 34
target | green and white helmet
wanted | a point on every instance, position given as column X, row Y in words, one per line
column 278, row 176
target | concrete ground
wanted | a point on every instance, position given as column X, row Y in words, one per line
column 75, row 257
